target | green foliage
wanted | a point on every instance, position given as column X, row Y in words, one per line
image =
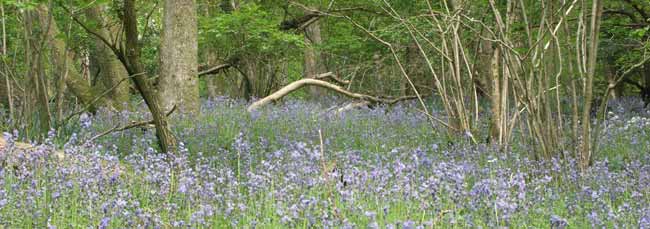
column 21, row 5
column 249, row 30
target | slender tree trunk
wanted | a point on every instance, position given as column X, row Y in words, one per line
column 60, row 80
column 178, row 82
column 146, row 88
column 44, row 114
column 646, row 79
column 496, row 131
column 586, row 151
column 27, row 97
column 209, row 55
column 313, row 59
column 8, row 84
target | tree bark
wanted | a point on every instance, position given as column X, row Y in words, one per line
column 74, row 81
column 646, row 90
column 178, row 82
column 146, row 88
column 586, row 150
column 36, row 73
column 496, row 130
column 313, row 60
column 111, row 71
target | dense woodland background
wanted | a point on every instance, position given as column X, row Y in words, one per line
column 544, row 66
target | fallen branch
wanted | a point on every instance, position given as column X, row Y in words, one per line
column 332, row 76
column 320, row 83
column 131, row 125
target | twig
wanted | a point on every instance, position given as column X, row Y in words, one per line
column 214, row 69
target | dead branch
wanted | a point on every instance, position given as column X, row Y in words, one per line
column 312, row 15
column 297, row 23
column 214, row 69
column 320, row 83
column 332, row 76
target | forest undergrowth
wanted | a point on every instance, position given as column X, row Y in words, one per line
column 297, row 164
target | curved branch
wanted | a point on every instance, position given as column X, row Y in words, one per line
column 330, row 75
column 214, row 69
column 89, row 30
column 320, row 83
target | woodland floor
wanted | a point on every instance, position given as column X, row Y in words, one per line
column 380, row 168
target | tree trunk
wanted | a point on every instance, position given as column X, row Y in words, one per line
column 44, row 114
column 646, row 77
column 313, row 60
column 35, row 75
column 586, row 150
column 496, row 130
column 111, row 71
column 7, row 84
column 146, row 88
column 178, row 82
column 74, row 81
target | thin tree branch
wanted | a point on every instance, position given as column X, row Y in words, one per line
column 131, row 125
column 330, row 75
column 214, row 69
column 98, row 97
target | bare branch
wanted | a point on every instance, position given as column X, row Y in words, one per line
column 214, row 69
column 100, row 96
column 330, row 75
column 131, row 125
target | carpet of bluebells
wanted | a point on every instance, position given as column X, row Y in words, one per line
column 377, row 168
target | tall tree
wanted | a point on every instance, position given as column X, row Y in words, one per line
column 313, row 59
column 178, row 82
column 592, row 55
column 130, row 57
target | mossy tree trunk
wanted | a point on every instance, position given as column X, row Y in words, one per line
column 111, row 71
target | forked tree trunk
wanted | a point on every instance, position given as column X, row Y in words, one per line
column 146, row 88
column 586, row 149
column 219, row 83
column 178, row 82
